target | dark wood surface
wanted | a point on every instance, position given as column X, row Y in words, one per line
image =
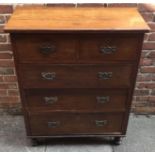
column 94, row 100
column 76, row 76
column 78, row 48
column 126, row 46
column 75, row 123
column 77, row 63
column 63, row 48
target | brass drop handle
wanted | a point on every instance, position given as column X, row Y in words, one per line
column 108, row 49
column 47, row 49
column 105, row 75
column 103, row 99
column 101, row 123
column 48, row 75
column 53, row 124
column 51, row 99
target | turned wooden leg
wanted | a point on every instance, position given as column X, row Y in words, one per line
column 34, row 142
column 37, row 141
column 117, row 140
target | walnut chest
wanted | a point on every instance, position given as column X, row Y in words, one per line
column 76, row 68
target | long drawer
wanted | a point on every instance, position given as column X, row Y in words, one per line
column 48, row 124
column 76, row 100
column 75, row 76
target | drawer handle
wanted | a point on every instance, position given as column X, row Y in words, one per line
column 48, row 75
column 103, row 99
column 53, row 124
column 50, row 100
column 100, row 123
column 107, row 50
column 47, row 49
column 105, row 75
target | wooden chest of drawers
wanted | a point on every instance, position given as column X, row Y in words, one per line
column 76, row 68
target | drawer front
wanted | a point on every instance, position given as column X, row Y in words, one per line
column 46, row 48
column 67, row 48
column 109, row 47
column 76, row 100
column 70, row 123
column 75, row 76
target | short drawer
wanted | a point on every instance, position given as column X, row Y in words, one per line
column 48, row 124
column 45, row 48
column 76, row 100
column 75, row 76
column 109, row 47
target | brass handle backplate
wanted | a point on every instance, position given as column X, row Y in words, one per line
column 101, row 123
column 48, row 75
column 50, row 100
column 103, row 99
column 107, row 50
column 105, row 75
column 53, row 124
column 47, row 49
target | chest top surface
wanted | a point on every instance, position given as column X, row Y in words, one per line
column 75, row 19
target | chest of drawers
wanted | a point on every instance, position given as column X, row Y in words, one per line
column 76, row 68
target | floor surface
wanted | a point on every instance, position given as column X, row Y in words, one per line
column 140, row 137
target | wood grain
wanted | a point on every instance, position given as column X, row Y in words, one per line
column 78, row 35
column 76, row 48
column 74, row 100
column 77, row 19
column 65, row 48
column 76, row 76
column 75, row 123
